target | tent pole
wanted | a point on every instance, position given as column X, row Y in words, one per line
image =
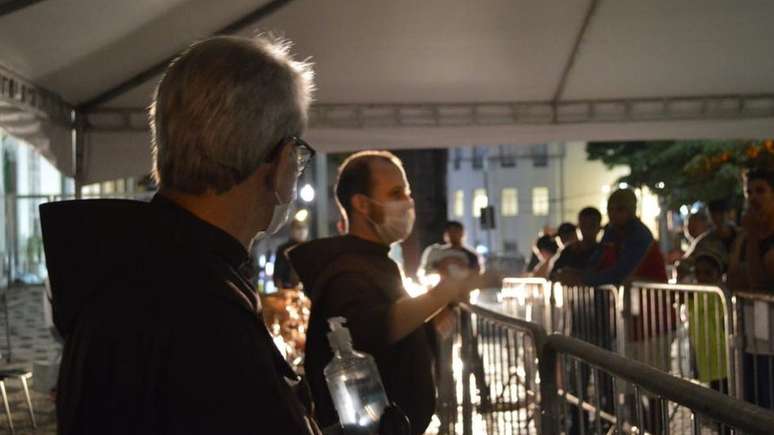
column 78, row 145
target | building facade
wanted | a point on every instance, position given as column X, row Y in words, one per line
column 531, row 187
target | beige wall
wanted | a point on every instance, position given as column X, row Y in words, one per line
column 584, row 181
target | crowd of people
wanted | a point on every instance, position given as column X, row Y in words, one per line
column 170, row 337
column 720, row 251
column 735, row 258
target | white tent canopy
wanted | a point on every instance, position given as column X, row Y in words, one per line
column 402, row 73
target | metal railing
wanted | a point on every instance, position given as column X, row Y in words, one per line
column 754, row 347
column 685, row 330
column 528, row 299
column 681, row 329
column 534, row 383
column 499, row 385
column 592, row 314
column 651, row 401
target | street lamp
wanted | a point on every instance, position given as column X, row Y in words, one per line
column 307, row 193
column 302, row 215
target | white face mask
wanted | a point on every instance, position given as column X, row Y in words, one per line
column 398, row 222
column 279, row 216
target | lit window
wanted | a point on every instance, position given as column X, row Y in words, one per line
column 459, row 203
column 540, row 201
column 480, row 201
column 510, row 202
column 108, row 187
column 91, row 190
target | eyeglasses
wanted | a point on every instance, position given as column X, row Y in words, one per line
column 304, row 152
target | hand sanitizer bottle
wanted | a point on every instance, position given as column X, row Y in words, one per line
column 354, row 383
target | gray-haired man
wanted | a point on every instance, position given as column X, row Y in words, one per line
column 163, row 331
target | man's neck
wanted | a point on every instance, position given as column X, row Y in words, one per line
column 624, row 226
column 364, row 230
column 216, row 211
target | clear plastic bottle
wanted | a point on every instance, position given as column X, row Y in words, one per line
column 354, row 383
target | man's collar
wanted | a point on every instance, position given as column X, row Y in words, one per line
column 190, row 230
column 366, row 246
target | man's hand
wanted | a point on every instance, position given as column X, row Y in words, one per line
column 488, row 279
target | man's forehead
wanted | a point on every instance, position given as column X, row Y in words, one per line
column 387, row 175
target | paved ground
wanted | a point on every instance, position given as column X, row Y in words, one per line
column 31, row 341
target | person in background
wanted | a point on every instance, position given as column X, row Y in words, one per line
column 628, row 252
column 752, row 259
column 751, row 267
column 451, row 260
column 572, row 260
column 705, row 323
column 698, row 225
column 454, row 236
column 352, row 276
column 545, row 248
column 438, row 257
column 534, row 258
column 566, row 233
column 703, row 239
column 724, row 228
column 284, row 275
column 575, row 255
column 152, row 298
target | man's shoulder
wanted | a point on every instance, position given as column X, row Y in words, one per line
column 639, row 231
column 357, row 277
column 196, row 279
column 469, row 251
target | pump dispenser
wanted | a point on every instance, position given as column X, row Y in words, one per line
column 354, row 383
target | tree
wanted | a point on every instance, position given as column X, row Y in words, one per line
column 683, row 172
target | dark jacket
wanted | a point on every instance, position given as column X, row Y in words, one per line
column 626, row 253
column 354, row 278
column 163, row 334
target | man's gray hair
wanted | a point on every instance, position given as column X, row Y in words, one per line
column 222, row 107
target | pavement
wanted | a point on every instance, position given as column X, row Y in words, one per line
column 31, row 341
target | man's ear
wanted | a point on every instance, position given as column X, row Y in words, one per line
column 360, row 203
column 267, row 179
column 276, row 172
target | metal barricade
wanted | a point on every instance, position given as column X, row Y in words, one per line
column 754, row 347
column 532, row 383
column 515, row 381
column 527, row 299
column 651, row 401
column 592, row 314
column 680, row 329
